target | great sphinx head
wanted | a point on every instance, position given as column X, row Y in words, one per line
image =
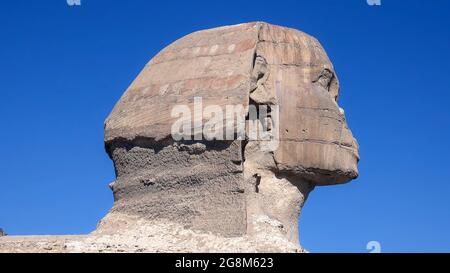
column 230, row 184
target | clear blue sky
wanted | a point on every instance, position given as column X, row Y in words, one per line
column 63, row 68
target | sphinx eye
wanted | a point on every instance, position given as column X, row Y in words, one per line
column 325, row 78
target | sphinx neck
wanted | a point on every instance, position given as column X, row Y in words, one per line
column 198, row 185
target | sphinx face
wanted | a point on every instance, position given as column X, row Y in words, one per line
column 316, row 143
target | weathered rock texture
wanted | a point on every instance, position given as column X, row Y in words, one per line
column 233, row 195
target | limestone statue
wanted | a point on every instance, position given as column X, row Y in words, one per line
column 220, row 194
